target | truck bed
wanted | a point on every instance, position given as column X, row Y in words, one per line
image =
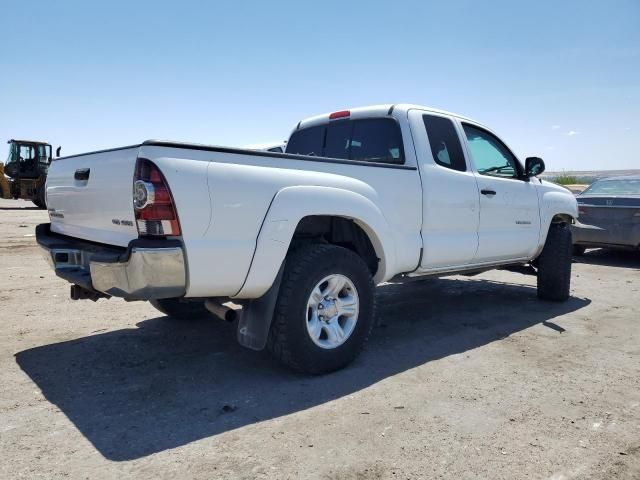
column 222, row 196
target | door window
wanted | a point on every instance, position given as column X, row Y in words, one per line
column 27, row 152
column 44, row 154
column 490, row 156
column 444, row 142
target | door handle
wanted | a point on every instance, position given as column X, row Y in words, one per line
column 484, row 191
column 82, row 174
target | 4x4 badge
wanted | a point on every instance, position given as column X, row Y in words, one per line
column 127, row 223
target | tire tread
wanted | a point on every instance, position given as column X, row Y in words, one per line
column 554, row 264
column 298, row 264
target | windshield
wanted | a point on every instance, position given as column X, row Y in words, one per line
column 630, row 186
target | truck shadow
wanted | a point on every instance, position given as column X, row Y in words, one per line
column 135, row 392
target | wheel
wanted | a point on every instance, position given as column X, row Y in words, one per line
column 40, row 201
column 325, row 309
column 554, row 264
column 578, row 250
column 180, row 309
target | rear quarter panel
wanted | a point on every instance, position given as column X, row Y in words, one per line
column 186, row 174
column 223, row 214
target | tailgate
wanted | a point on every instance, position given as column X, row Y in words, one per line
column 89, row 196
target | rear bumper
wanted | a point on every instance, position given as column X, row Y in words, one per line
column 625, row 236
column 145, row 270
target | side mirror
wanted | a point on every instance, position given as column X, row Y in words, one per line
column 533, row 166
column 58, row 151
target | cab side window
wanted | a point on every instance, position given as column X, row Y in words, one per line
column 444, row 142
column 490, row 156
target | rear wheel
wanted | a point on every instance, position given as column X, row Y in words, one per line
column 554, row 264
column 179, row 308
column 325, row 309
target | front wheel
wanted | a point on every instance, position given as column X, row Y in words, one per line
column 554, row 264
column 325, row 309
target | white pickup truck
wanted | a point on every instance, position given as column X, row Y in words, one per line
column 299, row 240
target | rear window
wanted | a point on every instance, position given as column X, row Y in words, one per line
column 630, row 186
column 307, row 142
column 338, row 139
column 370, row 140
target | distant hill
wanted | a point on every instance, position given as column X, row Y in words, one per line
column 588, row 176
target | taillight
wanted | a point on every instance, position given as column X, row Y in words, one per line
column 581, row 210
column 152, row 202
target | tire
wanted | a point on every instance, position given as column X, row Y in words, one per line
column 40, row 201
column 179, row 309
column 554, row 264
column 307, row 270
column 578, row 250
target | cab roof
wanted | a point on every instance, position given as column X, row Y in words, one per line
column 377, row 111
column 13, row 140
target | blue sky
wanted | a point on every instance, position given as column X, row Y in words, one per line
column 559, row 80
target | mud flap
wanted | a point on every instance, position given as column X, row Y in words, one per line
column 255, row 319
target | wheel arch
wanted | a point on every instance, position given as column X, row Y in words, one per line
column 342, row 231
column 557, row 207
column 303, row 210
column 563, row 218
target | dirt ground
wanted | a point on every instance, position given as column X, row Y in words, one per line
column 466, row 377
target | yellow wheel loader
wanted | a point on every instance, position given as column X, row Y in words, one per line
column 25, row 173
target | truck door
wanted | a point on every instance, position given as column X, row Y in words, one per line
column 450, row 203
column 509, row 212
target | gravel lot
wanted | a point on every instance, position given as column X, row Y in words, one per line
column 466, row 377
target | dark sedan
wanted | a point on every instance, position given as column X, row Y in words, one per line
column 608, row 215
